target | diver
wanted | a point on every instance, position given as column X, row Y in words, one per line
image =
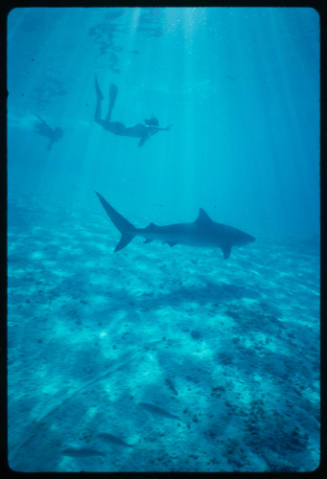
column 43, row 129
column 143, row 131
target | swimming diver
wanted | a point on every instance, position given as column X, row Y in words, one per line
column 43, row 129
column 143, row 131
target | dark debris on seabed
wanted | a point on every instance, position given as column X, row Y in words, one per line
column 229, row 353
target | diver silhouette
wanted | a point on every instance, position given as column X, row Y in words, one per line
column 43, row 129
column 143, row 131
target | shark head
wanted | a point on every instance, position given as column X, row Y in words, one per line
column 243, row 238
column 220, row 235
column 235, row 236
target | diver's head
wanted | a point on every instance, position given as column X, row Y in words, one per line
column 58, row 133
column 153, row 121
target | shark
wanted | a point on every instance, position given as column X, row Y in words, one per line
column 111, row 439
column 203, row 232
column 158, row 410
column 81, row 452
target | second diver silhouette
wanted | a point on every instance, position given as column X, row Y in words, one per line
column 143, row 131
column 43, row 129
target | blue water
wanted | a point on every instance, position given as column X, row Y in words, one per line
column 160, row 358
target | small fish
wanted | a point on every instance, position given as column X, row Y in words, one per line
column 81, row 452
column 113, row 439
column 157, row 410
column 171, row 386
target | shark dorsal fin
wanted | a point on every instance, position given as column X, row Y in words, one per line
column 203, row 217
column 152, row 226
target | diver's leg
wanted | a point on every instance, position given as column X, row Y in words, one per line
column 97, row 115
column 113, row 91
column 143, row 139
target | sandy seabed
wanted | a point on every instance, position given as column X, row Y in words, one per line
column 227, row 350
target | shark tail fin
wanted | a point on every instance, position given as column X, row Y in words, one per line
column 126, row 228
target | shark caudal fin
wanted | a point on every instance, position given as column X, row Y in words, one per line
column 127, row 230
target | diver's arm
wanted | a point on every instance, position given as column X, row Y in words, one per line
column 41, row 119
column 163, row 129
column 43, row 127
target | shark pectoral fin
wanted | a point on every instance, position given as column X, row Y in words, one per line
column 226, row 250
column 171, row 243
column 148, row 240
column 124, row 240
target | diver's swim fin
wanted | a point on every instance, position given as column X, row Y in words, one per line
column 97, row 89
column 113, row 90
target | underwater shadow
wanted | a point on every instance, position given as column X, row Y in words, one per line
column 210, row 293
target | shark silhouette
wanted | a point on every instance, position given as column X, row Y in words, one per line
column 203, row 232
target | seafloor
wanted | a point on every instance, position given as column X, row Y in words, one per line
column 229, row 348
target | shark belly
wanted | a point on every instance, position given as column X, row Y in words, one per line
column 183, row 236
